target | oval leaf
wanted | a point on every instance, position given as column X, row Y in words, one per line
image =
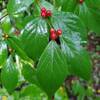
column 17, row 6
column 29, row 74
column 35, row 38
column 69, row 23
column 90, row 16
column 3, row 53
column 9, row 75
column 51, row 69
column 77, row 58
column 15, row 43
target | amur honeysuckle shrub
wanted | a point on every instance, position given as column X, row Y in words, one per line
column 42, row 41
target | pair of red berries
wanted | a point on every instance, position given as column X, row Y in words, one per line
column 81, row 1
column 54, row 34
column 45, row 13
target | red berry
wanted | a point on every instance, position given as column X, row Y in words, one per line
column 52, row 31
column 81, row 1
column 43, row 9
column 49, row 14
column 53, row 36
column 59, row 32
column 43, row 14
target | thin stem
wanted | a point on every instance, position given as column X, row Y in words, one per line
column 38, row 2
column 49, row 23
column 3, row 16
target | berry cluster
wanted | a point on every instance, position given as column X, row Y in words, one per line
column 81, row 1
column 54, row 34
column 45, row 13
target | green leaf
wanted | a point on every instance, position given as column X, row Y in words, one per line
column 95, row 17
column 93, row 3
column 61, row 94
column 88, row 11
column 90, row 16
column 34, row 91
column 47, row 5
column 3, row 53
column 51, row 69
column 6, row 25
column 9, row 75
column 29, row 74
column 69, row 23
column 15, row 43
column 21, row 21
column 69, row 5
column 66, row 5
column 35, row 38
column 17, row 6
column 77, row 57
column 77, row 88
column 58, row 3
column 89, row 91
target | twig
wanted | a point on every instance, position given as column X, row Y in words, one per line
column 3, row 17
